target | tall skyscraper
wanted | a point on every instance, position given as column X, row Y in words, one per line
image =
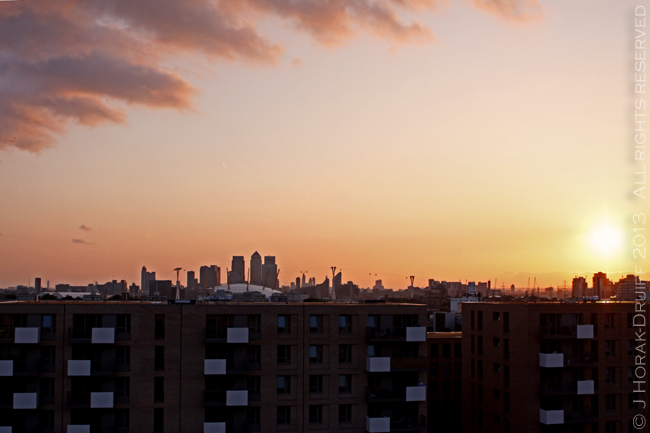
column 256, row 269
column 603, row 288
column 208, row 275
column 190, row 279
column 269, row 271
column 216, row 274
column 145, row 278
column 237, row 273
column 37, row 285
column 579, row 287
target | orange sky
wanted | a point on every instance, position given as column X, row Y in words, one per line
column 449, row 142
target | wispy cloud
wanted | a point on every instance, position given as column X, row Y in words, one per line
column 82, row 242
column 84, row 227
column 71, row 61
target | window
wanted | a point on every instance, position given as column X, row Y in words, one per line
column 630, row 347
column 630, row 374
column 506, row 375
column 315, row 324
column 496, row 419
column 48, row 323
column 458, row 369
column 496, row 316
column 496, row 393
column 610, row 375
column 473, row 369
column 609, row 321
column 255, row 324
column 472, row 344
column 316, row 354
column 123, row 355
column 159, row 358
column 345, row 383
column 506, row 323
column 345, row 413
column 284, row 385
column 345, row 353
column 434, row 369
column 159, row 328
column 630, row 320
column 496, row 342
column 253, row 385
column 506, row 349
column 345, row 324
column 122, row 387
column 480, row 370
column 458, row 350
column 121, row 418
column 284, row 324
column 123, row 324
column 158, row 420
column 46, row 389
column 480, row 320
column 446, row 387
column 446, row 350
column 506, row 402
column 610, row 402
column 284, row 354
column 480, row 345
column 496, row 368
column 610, row 348
column 480, row 394
column 254, row 354
column 373, row 321
column 316, row 384
column 158, row 389
column 610, row 427
column 47, row 355
column 433, row 348
column 472, row 320
column 253, row 416
column 315, row 414
column 446, row 369
column 284, row 415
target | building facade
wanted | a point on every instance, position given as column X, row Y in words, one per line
column 138, row 367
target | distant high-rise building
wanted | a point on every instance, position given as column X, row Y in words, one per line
column 626, row 286
column 208, row 275
column 297, row 282
column 603, row 288
column 191, row 280
column 216, row 274
column 162, row 288
column 37, row 285
column 303, row 280
column 145, row 278
column 269, row 271
column 579, row 287
column 336, row 284
column 237, row 272
column 256, row 269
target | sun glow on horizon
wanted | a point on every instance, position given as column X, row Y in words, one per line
column 606, row 238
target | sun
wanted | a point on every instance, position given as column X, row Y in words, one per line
column 606, row 238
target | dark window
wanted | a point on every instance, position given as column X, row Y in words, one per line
column 611, row 427
column 630, row 320
column 506, row 375
column 506, row 349
column 316, row 354
column 158, row 420
column 610, row 374
column 315, row 414
column 473, row 368
column 284, row 415
column 315, row 384
column 253, row 384
column 46, row 420
column 458, row 350
column 123, row 324
column 434, row 369
column 345, row 413
column 472, row 344
column 506, row 402
column 284, row 385
column 434, row 350
column 159, row 329
column 496, row 316
column 345, row 324
column 480, row 394
column 284, row 354
column 446, row 388
column 480, row 370
column 345, row 353
column 496, row 393
column 496, row 368
column 496, row 342
column 47, row 355
column 122, row 418
column 158, row 389
column 345, row 383
column 630, row 347
column 123, row 355
column 446, row 369
column 253, row 416
column 610, row 402
column 122, row 387
column 446, row 350
column 506, row 323
column 46, row 388
column 472, row 320
column 315, row 324
column 480, row 345
column 609, row 321
column 480, row 320
column 48, row 323
column 284, row 324
column 610, row 348
column 458, row 369
column 254, row 354
column 159, row 358
column 254, row 323
column 496, row 419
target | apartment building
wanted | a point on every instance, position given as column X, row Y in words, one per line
column 444, row 388
column 551, row 367
column 84, row 367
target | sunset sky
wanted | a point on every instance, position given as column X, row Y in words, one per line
column 458, row 140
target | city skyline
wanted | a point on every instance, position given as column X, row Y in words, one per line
column 472, row 141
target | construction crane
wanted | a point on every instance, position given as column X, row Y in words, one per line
column 178, row 283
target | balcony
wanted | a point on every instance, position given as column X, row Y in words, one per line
column 78, row 399
column 237, row 335
column 580, row 416
column 551, row 360
column 6, row 368
column 78, row 428
column 376, row 364
column 377, row 424
column 586, row 387
column 549, row 417
column 5, row 429
column 581, row 359
column 214, row 427
column 93, row 335
column 102, row 400
column 411, row 333
column 409, row 393
column 27, row 335
column 237, row 397
column 214, row 366
column 25, row 400
column 27, row 368
column 78, row 367
column 103, row 336
column 408, row 424
column 568, row 332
